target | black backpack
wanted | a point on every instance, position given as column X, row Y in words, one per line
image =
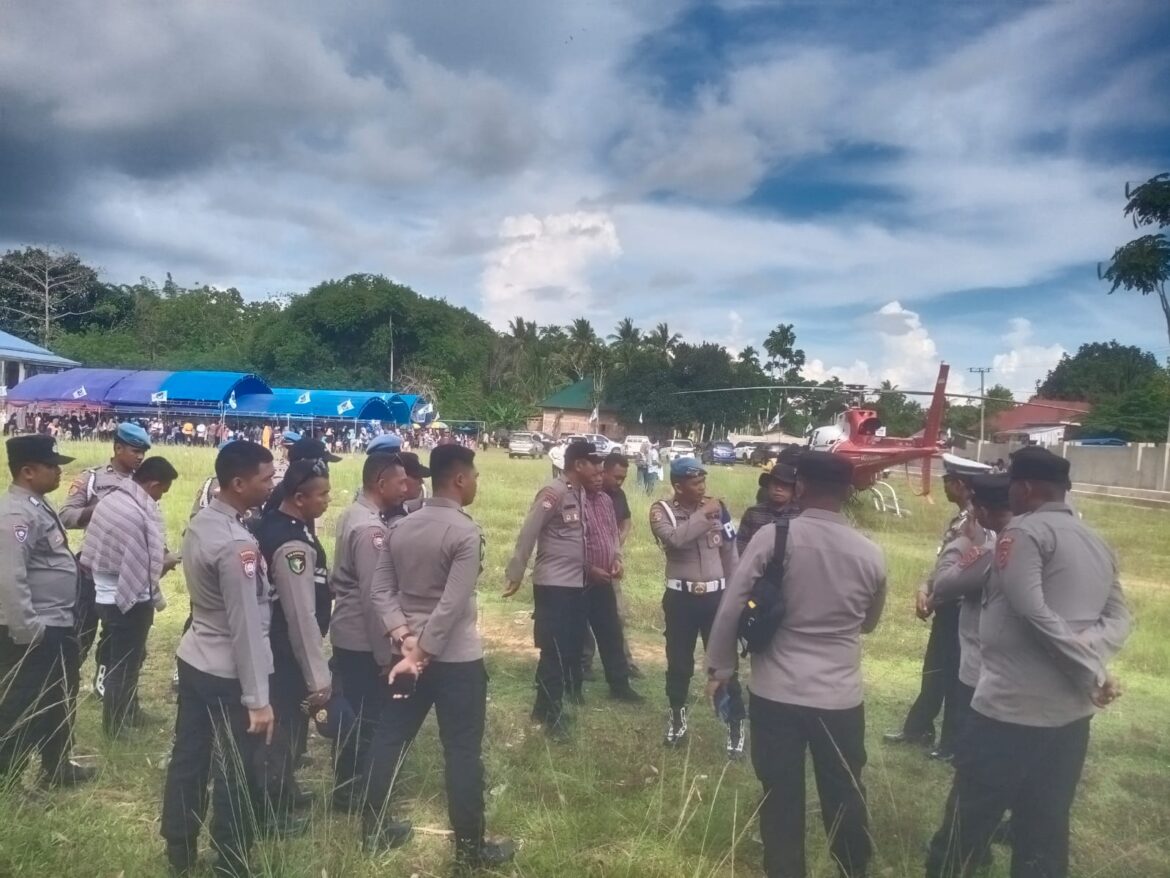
column 761, row 616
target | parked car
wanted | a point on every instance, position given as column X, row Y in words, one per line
column 525, row 445
column 718, row 452
column 680, row 448
column 743, row 450
column 603, row 444
column 633, row 445
column 765, row 452
column 545, row 439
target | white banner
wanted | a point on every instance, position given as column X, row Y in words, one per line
column 344, row 407
column 80, row 392
column 161, row 396
column 303, row 399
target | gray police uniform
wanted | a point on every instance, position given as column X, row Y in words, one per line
column 961, row 574
column 701, row 556
column 555, row 526
column 224, row 664
column 84, row 493
column 806, row 687
column 426, row 581
column 38, row 650
column 360, row 645
column 1053, row 616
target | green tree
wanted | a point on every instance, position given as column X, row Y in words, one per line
column 784, row 358
column 1138, row 415
column 662, row 341
column 1099, row 371
column 964, row 418
column 624, row 342
column 1143, row 265
column 42, row 289
column 901, row 415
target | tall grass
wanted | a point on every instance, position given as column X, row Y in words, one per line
column 615, row 802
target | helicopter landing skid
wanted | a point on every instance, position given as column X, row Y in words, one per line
column 880, row 503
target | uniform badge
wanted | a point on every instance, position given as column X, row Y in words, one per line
column 1003, row 551
column 296, row 562
column 248, row 560
column 76, row 487
column 379, row 540
column 547, row 500
column 20, row 531
column 970, row 557
column 656, row 514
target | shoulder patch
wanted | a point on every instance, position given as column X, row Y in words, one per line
column 20, row 531
column 547, row 498
column 296, row 562
column 379, row 538
column 970, row 557
column 248, row 562
column 1003, row 552
column 77, row 486
column 656, row 514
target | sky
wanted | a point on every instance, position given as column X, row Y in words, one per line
column 906, row 182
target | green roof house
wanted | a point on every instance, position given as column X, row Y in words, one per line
column 570, row 410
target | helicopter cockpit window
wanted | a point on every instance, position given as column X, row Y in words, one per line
column 871, row 427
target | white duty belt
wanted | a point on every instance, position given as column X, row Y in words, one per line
column 696, row 587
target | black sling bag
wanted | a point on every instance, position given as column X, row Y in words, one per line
column 761, row 616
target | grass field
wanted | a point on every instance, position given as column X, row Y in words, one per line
column 615, row 802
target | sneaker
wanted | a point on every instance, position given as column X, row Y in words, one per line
column 473, row 855
column 99, row 682
column 926, row 739
column 941, row 754
column 68, row 775
column 626, row 695
column 388, row 835
column 735, row 739
column 676, row 727
column 175, row 681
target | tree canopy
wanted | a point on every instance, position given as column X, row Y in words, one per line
column 1099, row 371
column 1143, row 265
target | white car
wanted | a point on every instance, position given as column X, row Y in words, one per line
column 743, row 451
column 680, row 448
column 632, row 447
column 524, row 445
column 603, row 444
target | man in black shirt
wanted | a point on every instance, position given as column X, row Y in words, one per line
column 774, row 503
column 617, row 467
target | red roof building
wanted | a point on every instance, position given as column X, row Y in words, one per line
column 1043, row 420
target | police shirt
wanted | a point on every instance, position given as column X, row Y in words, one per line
column 85, row 492
column 834, row 590
column 208, row 491
column 296, row 564
column 425, row 580
column 361, row 533
column 1053, row 616
column 230, row 602
column 953, row 532
column 38, row 573
column 962, row 573
column 556, row 527
column 698, row 549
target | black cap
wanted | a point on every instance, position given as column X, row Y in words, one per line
column 35, row 449
column 785, row 473
column 825, row 467
column 1039, row 465
column 790, row 454
column 991, row 491
column 582, row 451
column 413, row 465
column 310, row 449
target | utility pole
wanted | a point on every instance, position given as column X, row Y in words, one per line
column 982, row 372
column 391, row 351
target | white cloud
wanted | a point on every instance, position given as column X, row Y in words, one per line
column 1025, row 363
column 541, row 269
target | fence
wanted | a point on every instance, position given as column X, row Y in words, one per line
column 1141, row 466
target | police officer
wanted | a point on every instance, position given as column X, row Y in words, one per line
column 424, row 593
column 297, row 570
column 305, row 448
column 224, row 667
column 416, row 493
column 38, row 644
column 385, row 443
column 774, row 502
column 806, row 691
column 963, row 571
column 698, row 538
column 360, row 645
column 555, row 527
column 131, row 443
column 940, row 665
column 1053, row 617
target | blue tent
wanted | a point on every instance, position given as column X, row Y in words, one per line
column 125, row 389
column 79, row 387
column 309, row 404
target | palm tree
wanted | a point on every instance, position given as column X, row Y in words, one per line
column 582, row 349
column 662, row 341
column 625, row 341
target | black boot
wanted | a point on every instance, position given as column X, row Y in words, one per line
column 68, row 774
column 387, row 834
column 183, row 856
column 472, row 854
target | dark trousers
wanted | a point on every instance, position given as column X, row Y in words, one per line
column 940, row 679
column 605, row 624
column 85, row 612
column 357, row 676
column 963, row 696
column 125, row 650
column 286, row 690
column 559, row 621
column 210, row 721
column 458, row 692
column 1032, row 771
column 36, row 701
column 689, row 617
column 780, row 734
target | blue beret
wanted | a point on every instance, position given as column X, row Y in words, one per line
column 387, row 442
column 288, row 437
column 132, row 435
column 685, row 468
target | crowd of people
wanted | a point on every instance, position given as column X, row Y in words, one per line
column 1030, row 592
